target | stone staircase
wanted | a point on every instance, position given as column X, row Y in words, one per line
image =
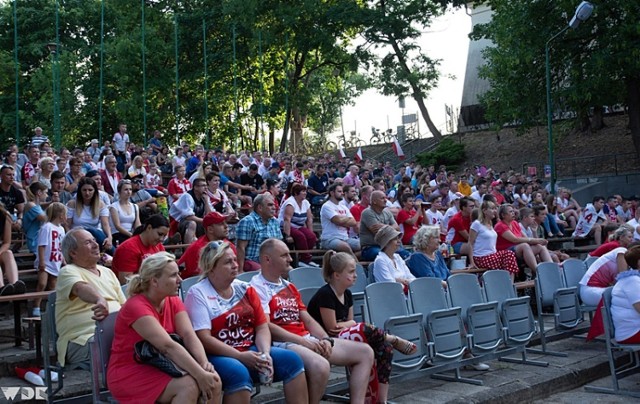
column 384, row 151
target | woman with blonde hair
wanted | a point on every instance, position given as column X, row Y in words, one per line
column 332, row 308
column 137, row 168
column 482, row 243
column 152, row 312
column 229, row 320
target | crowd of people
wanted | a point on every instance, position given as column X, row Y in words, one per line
column 99, row 218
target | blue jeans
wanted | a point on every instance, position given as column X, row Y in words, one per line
column 318, row 200
column 235, row 376
column 550, row 225
column 100, row 237
column 370, row 253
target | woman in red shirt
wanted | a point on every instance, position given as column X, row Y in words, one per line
column 409, row 219
column 510, row 237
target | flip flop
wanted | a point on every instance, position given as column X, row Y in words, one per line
column 403, row 346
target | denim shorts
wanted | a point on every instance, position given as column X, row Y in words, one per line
column 235, row 376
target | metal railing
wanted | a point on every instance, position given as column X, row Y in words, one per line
column 601, row 165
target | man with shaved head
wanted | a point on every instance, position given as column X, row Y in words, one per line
column 373, row 218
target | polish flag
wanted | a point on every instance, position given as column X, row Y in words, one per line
column 358, row 155
column 342, row 153
column 397, row 149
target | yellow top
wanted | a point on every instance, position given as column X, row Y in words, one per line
column 73, row 315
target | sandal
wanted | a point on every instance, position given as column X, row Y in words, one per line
column 403, row 346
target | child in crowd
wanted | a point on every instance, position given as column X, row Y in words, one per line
column 49, row 258
column 33, row 214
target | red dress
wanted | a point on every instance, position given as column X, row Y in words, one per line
column 129, row 381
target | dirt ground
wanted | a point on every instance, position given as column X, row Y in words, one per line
column 507, row 150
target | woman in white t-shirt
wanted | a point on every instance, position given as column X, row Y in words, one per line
column 296, row 220
column 178, row 160
column 625, row 300
column 482, row 242
column 124, row 217
column 90, row 213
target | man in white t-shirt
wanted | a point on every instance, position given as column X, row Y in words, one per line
column 336, row 221
column 478, row 194
column 592, row 220
column 350, row 197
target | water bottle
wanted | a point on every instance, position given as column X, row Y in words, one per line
column 265, row 374
column 444, row 250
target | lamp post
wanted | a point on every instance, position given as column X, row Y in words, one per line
column 583, row 12
column 53, row 51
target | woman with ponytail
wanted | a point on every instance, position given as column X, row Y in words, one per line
column 146, row 240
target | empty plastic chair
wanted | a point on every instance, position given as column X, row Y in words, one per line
column 247, row 276
column 307, row 293
column 100, row 351
column 306, row 277
column 187, row 284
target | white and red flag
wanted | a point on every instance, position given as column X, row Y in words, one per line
column 358, row 155
column 397, row 149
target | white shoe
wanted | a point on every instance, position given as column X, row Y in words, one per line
column 479, row 366
column 35, row 312
column 313, row 264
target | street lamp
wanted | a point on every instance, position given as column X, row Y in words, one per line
column 583, row 12
column 55, row 71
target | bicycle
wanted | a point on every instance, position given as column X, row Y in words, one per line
column 381, row 137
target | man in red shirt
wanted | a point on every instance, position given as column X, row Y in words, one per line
column 496, row 191
column 215, row 229
column 293, row 328
column 365, row 198
column 459, row 225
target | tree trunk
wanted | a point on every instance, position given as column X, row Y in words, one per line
column 272, row 140
column 285, row 130
column 633, row 101
column 597, row 120
column 416, row 91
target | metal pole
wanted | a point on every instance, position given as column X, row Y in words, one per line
column 235, row 89
column 261, row 90
column 56, row 102
column 175, row 39
column 552, row 163
column 144, row 82
column 206, row 101
column 101, row 100
column 17, row 67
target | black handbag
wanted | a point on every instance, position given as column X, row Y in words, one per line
column 144, row 352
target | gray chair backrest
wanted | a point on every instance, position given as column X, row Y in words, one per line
column 427, row 295
column 370, row 278
column 573, row 270
column 247, row 276
column 548, row 281
column 361, row 280
column 358, row 306
column 464, row 291
column 187, row 284
column 307, row 293
column 498, row 286
column 50, row 348
column 306, row 277
column 607, row 320
column 105, row 331
column 590, row 260
column 384, row 300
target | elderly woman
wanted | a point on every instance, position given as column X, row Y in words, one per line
column 510, row 237
column 228, row 318
column 152, row 312
column 482, row 243
column 621, row 237
column 74, row 176
column 178, row 184
column 137, row 168
column 89, row 212
column 124, row 216
column 296, row 220
column 47, row 166
column 389, row 266
column 625, row 300
column 427, row 261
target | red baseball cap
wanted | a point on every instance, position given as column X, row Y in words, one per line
column 213, row 218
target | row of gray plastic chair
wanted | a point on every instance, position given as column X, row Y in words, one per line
column 489, row 322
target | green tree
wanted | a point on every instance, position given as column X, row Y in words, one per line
column 594, row 66
column 395, row 26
